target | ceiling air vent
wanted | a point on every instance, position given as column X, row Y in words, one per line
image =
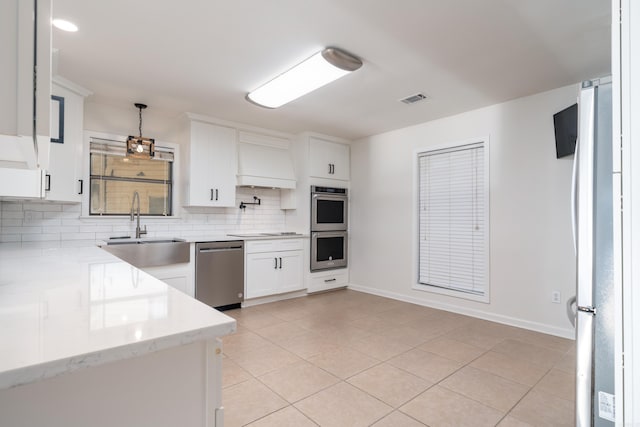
column 414, row 98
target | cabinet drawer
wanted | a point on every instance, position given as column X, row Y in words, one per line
column 328, row 281
column 256, row 246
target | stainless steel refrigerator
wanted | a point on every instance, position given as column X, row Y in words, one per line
column 594, row 233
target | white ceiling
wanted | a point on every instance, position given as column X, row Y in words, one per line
column 203, row 56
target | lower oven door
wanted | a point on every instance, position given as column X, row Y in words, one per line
column 328, row 250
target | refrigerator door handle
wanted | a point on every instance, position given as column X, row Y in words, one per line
column 570, row 313
column 574, row 199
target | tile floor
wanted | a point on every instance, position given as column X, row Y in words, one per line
column 346, row 358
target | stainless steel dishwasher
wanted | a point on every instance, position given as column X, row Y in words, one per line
column 220, row 274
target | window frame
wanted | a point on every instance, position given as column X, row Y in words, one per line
column 416, row 285
column 86, row 175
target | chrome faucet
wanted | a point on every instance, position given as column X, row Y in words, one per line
column 139, row 232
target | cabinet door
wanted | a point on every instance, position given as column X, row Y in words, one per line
column 21, row 44
column 291, row 271
column 328, row 159
column 65, row 164
column 213, row 165
column 262, row 274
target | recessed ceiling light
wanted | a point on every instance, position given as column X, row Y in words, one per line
column 65, row 25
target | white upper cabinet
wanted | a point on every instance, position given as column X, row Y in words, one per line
column 328, row 160
column 25, row 34
column 211, row 165
column 63, row 181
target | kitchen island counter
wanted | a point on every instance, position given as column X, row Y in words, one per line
column 65, row 310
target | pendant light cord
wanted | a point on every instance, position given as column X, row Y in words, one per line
column 140, row 122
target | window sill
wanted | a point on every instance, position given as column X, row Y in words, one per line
column 452, row 293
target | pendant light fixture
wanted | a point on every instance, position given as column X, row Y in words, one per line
column 314, row 72
column 139, row 147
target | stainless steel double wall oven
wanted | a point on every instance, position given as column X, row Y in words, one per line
column 329, row 224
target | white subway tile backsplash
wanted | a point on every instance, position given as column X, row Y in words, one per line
column 40, row 237
column 41, row 224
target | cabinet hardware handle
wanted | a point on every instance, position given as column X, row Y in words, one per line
column 276, row 266
column 211, row 194
column 330, row 280
column 47, row 186
column 333, row 169
column 81, row 186
column 216, row 194
column 280, row 263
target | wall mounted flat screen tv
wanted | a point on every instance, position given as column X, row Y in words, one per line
column 565, row 124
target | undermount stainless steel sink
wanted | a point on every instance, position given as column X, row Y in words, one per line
column 149, row 252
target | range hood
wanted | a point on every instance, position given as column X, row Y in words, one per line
column 264, row 161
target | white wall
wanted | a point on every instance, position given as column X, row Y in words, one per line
column 530, row 224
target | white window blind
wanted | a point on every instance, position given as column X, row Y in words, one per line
column 452, row 221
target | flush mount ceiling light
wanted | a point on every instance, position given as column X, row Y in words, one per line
column 63, row 25
column 140, row 147
column 314, row 72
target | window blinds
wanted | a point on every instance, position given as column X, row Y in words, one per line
column 452, row 224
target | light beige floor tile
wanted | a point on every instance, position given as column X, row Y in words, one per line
column 253, row 319
column 452, row 349
column 441, row 407
column 541, row 409
column 567, row 363
column 343, row 405
column 528, row 352
column 370, row 323
column 509, row 368
column 409, row 335
column 428, row 366
column 509, row 421
column 232, row 373
column 281, row 332
column 398, row 419
column 309, row 344
column 297, row 381
column 407, row 315
column 544, row 340
column 343, row 335
column 378, row 347
column 343, row 363
column 558, row 383
column 287, row 417
column 474, row 337
column 391, row 385
column 248, row 401
column 486, row 388
column 242, row 343
column 266, row 359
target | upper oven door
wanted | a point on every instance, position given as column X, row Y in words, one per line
column 328, row 212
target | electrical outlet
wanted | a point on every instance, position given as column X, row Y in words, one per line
column 555, row 297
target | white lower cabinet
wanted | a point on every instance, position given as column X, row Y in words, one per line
column 330, row 279
column 178, row 276
column 273, row 267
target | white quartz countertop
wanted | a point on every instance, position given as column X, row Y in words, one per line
column 67, row 309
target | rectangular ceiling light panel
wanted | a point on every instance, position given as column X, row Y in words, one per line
column 314, row 72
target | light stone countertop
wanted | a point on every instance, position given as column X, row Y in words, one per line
column 65, row 309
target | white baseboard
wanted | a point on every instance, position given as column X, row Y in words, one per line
column 273, row 298
column 506, row 320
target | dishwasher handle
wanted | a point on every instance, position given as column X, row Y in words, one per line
column 225, row 249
